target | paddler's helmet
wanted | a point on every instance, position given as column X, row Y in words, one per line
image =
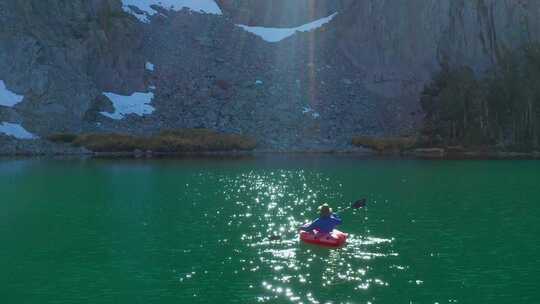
column 325, row 210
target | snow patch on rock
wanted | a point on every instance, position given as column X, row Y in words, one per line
column 8, row 98
column 308, row 110
column 146, row 10
column 276, row 34
column 136, row 103
column 15, row 130
column 150, row 66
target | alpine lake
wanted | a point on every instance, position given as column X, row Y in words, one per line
column 197, row 230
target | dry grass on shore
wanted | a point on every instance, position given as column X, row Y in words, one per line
column 385, row 144
column 172, row 141
column 62, row 137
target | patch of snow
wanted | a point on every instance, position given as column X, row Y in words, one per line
column 15, row 130
column 8, row 98
column 308, row 110
column 259, row 82
column 276, row 34
column 137, row 103
column 149, row 66
column 200, row 6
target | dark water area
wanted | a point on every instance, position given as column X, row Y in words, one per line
column 196, row 231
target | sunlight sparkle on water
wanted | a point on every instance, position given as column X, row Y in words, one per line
column 295, row 272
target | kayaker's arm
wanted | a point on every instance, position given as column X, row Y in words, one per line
column 305, row 227
column 309, row 227
column 337, row 219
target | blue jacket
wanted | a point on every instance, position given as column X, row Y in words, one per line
column 323, row 224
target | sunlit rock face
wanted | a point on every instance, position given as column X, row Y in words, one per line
column 280, row 13
column 360, row 73
column 411, row 38
column 394, row 47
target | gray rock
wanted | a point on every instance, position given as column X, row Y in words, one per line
column 362, row 73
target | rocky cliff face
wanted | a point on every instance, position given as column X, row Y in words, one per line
column 359, row 74
column 280, row 13
column 61, row 56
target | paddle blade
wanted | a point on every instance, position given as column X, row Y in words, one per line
column 359, row 204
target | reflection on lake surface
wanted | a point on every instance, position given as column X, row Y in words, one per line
column 197, row 231
column 279, row 203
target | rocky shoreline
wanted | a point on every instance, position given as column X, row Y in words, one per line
column 42, row 148
column 472, row 154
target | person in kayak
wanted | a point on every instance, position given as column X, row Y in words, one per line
column 326, row 222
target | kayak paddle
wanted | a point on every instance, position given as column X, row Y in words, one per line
column 361, row 203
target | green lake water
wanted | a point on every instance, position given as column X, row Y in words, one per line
column 196, row 231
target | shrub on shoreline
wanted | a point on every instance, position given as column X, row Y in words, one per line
column 109, row 142
column 499, row 108
column 62, row 137
column 172, row 141
column 385, row 144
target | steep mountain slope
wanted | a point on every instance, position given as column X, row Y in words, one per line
column 61, row 55
column 361, row 73
column 280, row 13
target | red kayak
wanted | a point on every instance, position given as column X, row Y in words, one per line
column 334, row 239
